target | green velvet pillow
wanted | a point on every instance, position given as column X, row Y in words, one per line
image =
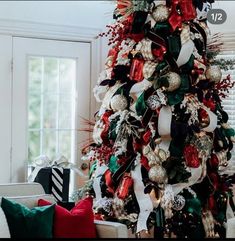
column 28, row 223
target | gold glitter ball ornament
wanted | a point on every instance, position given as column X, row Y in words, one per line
column 213, row 73
column 118, row 103
column 157, row 174
column 174, row 81
column 160, row 13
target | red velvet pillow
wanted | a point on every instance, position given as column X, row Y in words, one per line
column 77, row 223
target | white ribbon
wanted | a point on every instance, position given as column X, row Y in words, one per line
column 144, row 200
column 185, row 53
column 164, row 121
column 195, row 176
column 213, row 121
column 43, row 161
column 100, row 170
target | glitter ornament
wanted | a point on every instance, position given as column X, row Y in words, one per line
column 153, row 102
column 213, row 73
column 157, row 174
column 118, row 103
column 178, row 203
column 174, row 81
column 160, row 13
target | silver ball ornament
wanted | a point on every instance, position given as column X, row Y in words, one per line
column 214, row 73
column 153, row 102
column 174, row 81
column 157, row 174
column 178, row 203
column 118, row 103
column 160, row 13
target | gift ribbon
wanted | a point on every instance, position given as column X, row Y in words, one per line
column 43, row 161
column 144, row 200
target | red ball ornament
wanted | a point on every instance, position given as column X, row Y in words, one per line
column 191, row 156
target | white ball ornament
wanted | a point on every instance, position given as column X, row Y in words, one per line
column 118, row 103
column 214, row 73
column 174, row 81
column 160, row 13
column 157, row 174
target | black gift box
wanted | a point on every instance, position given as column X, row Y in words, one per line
column 44, row 177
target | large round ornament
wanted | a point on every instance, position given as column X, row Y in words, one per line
column 213, row 73
column 153, row 102
column 174, row 81
column 157, row 174
column 178, row 203
column 160, row 13
column 118, row 103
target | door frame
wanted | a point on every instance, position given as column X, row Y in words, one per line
column 13, row 28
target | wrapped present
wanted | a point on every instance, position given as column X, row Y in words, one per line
column 55, row 181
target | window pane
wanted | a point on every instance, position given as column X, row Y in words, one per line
column 35, row 73
column 49, row 143
column 65, row 112
column 49, row 113
column 34, row 111
column 51, row 74
column 65, row 144
column 67, row 74
column 34, row 145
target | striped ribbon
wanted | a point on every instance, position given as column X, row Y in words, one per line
column 57, row 183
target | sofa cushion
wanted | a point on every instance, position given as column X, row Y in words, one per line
column 32, row 200
column 28, row 223
column 4, row 230
column 76, row 223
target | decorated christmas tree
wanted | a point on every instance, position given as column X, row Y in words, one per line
column 161, row 140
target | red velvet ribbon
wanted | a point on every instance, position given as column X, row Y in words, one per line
column 144, row 163
column 126, row 184
column 187, row 13
column 146, row 136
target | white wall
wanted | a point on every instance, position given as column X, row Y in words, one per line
column 94, row 14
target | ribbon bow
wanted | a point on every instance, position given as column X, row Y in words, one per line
column 44, row 161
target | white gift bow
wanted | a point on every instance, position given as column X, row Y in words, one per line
column 44, row 161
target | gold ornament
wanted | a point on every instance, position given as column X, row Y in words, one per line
column 213, row 73
column 157, row 174
column 118, row 103
column 174, row 81
column 160, row 13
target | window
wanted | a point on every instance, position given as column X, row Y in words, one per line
column 51, row 107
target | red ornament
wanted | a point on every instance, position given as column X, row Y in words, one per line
column 125, row 186
column 210, row 104
column 191, row 156
column 159, row 52
column 136, row 72
column 109, row 181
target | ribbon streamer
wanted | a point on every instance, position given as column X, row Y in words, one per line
column 144, row 200
column 195, row 176
column 213, row 121
column 187, row 46
column 100, row 170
